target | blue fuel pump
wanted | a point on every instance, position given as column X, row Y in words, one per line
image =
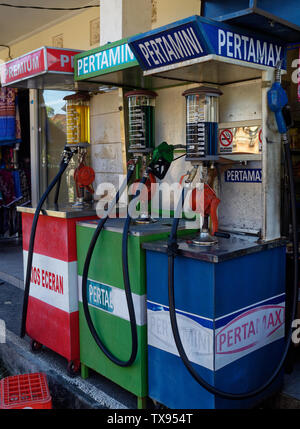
column 278, row 103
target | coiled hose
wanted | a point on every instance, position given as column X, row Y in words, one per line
column 128, row 294
column 172, row 250
column 67, row 155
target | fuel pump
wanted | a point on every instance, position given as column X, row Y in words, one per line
column 278, row 104
column 148, row 162
column 77, row 109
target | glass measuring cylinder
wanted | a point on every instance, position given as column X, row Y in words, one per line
column 201, row 122
column 78, row 119
column 141, row 120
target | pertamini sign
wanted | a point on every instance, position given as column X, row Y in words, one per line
column 196, row 37
column 106, row 59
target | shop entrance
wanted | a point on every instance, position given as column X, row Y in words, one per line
column 15, row 187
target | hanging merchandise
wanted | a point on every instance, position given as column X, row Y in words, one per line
column 9, row 124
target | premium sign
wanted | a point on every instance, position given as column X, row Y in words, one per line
column 38, row 62
column 61, row 60
column 195, row 37
column 23, row 67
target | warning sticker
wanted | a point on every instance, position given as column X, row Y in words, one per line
column 225, row 141
column 242, row 140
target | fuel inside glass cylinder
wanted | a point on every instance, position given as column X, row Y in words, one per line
column 201, row 122
column 141, row 105
column 78, row 122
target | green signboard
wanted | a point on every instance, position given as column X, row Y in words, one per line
column 103, row 60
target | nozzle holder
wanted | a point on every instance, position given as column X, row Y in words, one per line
column 205, row 239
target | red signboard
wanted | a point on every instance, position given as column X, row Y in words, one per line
column 61, row 60
column 23, row 67
column 35, row 63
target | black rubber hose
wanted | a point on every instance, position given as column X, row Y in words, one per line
column 57, row 189
column 172, row 250
column 90, row 324
column 126, row 277
column 63, row 165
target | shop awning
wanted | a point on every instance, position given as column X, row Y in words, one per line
column 43, row 68
column 200, row 50
column 273, row 17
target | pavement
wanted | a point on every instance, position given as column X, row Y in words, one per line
column 67, row 392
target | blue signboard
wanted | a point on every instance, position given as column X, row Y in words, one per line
column 243, row 175
column 245, row 47
column 170, row 45
column 196, row 37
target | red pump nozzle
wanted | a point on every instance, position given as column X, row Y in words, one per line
column 84, row 177
column 206, row 203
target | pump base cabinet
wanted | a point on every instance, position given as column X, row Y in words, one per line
column 230, row 306
column 52, row 316
column 107, row 302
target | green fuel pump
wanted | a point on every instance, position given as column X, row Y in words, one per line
column 105, row 342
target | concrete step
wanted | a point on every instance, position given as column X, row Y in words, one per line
column 96, row 392
column 67, row 392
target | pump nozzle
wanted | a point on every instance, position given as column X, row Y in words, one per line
column 162, row 158
column 278, row 103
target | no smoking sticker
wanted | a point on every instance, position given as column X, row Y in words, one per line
column 226, row 140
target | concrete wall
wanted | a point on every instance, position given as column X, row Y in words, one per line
column 75, row 30
column 124, row 18
column 166, row 11
column 107, row 138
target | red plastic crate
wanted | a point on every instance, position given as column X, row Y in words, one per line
column 25, row 391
